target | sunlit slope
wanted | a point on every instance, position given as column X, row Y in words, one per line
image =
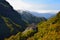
column 49, row 30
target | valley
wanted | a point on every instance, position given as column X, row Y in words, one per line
column 26, row 25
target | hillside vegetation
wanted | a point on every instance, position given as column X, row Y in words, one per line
column 48, row 30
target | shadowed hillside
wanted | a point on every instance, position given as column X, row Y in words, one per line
column 10, row 20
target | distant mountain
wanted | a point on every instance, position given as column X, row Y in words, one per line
column 29, row 18
column 46, row 15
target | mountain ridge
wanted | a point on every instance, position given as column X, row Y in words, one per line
column 46, row 15
column 27, row 16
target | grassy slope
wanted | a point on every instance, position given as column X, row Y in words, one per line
column 49, row 30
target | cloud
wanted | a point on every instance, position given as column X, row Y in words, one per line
column 41, row 8
column 47, row 11
column 38, row 6
column 19, row 4
column 46, row 6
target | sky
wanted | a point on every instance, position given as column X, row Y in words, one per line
column 41, row 6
